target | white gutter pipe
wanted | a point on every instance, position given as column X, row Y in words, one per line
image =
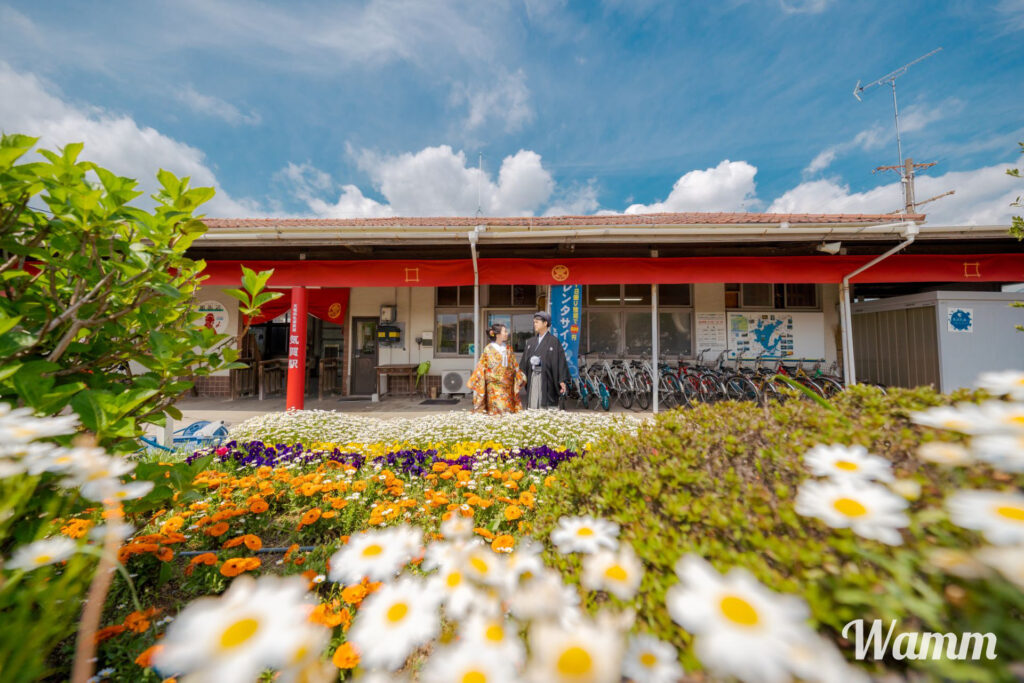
column 474, row 236
column 849, row 367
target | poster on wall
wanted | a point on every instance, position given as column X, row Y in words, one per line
column 960, row 320
column 776, row 335
column 711, row 333
column 213, row 315
column 565, row 321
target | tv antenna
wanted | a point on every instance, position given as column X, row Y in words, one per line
column 906, row 167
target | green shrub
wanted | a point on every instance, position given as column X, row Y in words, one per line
column 720, row 481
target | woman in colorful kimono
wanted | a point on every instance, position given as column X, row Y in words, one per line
column 497, row 379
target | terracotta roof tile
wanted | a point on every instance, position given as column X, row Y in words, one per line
column 553, row 221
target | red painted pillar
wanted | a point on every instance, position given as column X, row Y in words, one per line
column 297, row 351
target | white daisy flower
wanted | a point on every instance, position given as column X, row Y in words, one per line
column 1002, row 451
column 966, row 418
column 457, row 526
column 585, row 535
column 376, row 554
column 465, row 663
column 255, row 625
column 957, row 563
column 545, row 596
column 393, row 622
column 494, row 635
column 304, row 664
column 618, row 573
column 523, row 563
column 1007, row 560
column 41, row 553
column 847, row 462
column 944, row 453
column 868, row 510
column 36, row 458
column 21, row 426
column 484, row 566
column 999, row 515
column 112, row 489
column 649, row 660
column 815, row 658
column 1003, row 417
column 1007, row 383
column 11, row 467
column 458, row 595
column 741, row 628
column 588, row 652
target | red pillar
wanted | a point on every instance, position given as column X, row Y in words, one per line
column 297, row 351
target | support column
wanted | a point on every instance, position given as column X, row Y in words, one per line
column 654, row 348
column 297, row 351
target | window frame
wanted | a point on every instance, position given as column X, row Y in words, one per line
column 623, row 309
column 773, row 296
column 457, row 311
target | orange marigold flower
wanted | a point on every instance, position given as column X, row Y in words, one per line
column 328, row 614
column 330, row 514
column 549, row 480
column 337, row 503
column 257, row 506
column 237, row 565
column 354, row 594
column 145, row 660
column 218, row 529
column 209, row 559
column 439, row 467
column 165, row 554
column 172, row 525
column 527, row 499
column 252, row 542
column 299, row 561
column 138, row 622
column 484, row 532
column 359, row 486
column 309, row 489
column 346, row 656
column 503, row 544
column 512, row 513
column 109, row 632
column 233, row 543
column 291, row 550
column 311, row 516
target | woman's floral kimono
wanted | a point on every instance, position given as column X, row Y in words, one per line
column 496, row 382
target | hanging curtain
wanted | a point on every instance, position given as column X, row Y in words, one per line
column 329, row 304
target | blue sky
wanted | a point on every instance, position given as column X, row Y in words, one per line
column 382, row 108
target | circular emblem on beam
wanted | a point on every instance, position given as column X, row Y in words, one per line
column 560, row 273
column 334, row 311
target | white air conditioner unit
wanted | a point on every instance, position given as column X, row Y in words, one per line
column 454, row 382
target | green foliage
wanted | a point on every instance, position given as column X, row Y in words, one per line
column 720, row 481
column 97, row 312
column 1017, row 223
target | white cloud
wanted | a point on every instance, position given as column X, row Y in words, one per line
column 913, row 119
column 578, row 200
column 726, row 187
column 804, row 6
column 507, row 101
column 114, row 141
column 208, row 105
column 436, row 181
column 983, row 197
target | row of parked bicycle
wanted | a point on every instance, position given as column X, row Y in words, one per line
column 630, row 382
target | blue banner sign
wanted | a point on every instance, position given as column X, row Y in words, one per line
column 565, row 321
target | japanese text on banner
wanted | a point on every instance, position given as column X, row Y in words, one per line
column 565, row 321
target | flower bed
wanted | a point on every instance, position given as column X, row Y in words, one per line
column 554, row 428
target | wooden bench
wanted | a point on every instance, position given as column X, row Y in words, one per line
column 407, row 371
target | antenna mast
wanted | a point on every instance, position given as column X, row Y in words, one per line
column 906, row 166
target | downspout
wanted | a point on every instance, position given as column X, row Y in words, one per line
column 849, row 368
column 474, row 236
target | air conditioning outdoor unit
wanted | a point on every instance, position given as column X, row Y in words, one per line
column 454, row 382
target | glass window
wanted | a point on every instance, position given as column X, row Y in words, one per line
column 499, row 295
column 603, row 295
column 603, row 332
column 756, row 296
column 447, row 296
column 520, row 327
column 732, row 295
column 675, row 333
column 637, row 295
column 673, row 295
column 638, row 333
column 801, row 296
column 466, row 334
column 466, row 295
column 447, row 332
column 524, row 295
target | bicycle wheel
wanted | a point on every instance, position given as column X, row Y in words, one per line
column 643, row 399
column 740, row 388
column 770, row 392
column 624, row 393
column 606, row 397
column 830, row 386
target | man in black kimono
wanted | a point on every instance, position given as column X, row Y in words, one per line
column 547, row 371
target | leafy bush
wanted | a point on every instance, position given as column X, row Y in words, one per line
column 720, row 481
column 91, row 285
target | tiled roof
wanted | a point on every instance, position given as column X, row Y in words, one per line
column 563, row 221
